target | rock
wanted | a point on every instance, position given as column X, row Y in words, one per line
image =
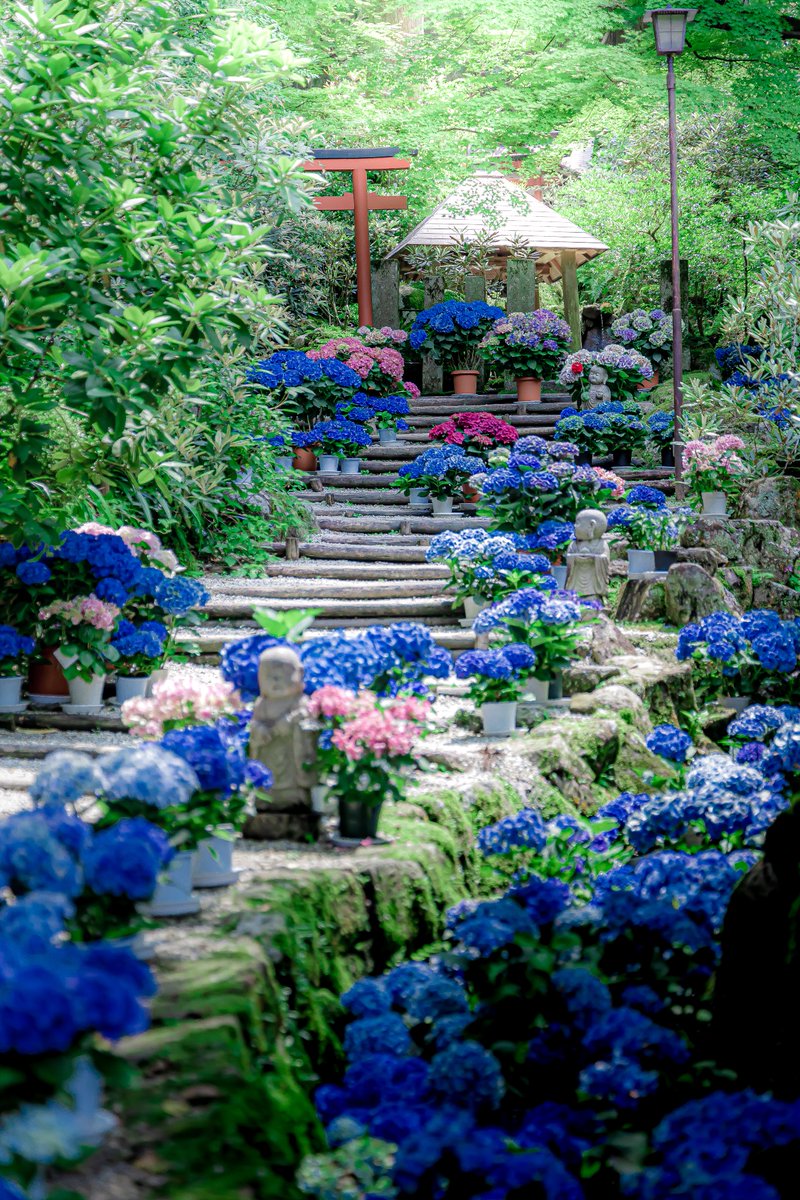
column 585, row 677
column 785, row 600
column 721, row 534
column 664, row 687
column 776, row 498
column 602, row 640
column 554, row 751
column 641, row 599
column 750, row 545
column 614, row 698
column 282, row 826
column 691, row 593
column 704, row 556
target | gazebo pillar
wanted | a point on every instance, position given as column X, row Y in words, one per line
column 569, row 287
column 386, row 294
column 474, row 288
column 520, row 285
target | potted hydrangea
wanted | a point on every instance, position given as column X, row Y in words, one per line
column 715, row 472
column 622, row 433
column 378, row 365
column 661, row 431
column 366, row 751
column 547, row 622
column 440, row 472
column 528, row 346
column 82, row 629
column 538, row 482
column 15, row 650
column 304, row 386
column 451, row 332
column 553, row 537
column 484, row 566
column 339, row 441
column 141, row 650
column 478, row 432
column 387, row 414
column 649, row 333
column 613, row 373
column 644, row 520
column 497, row 680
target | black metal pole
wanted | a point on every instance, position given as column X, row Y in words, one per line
column 677, row 324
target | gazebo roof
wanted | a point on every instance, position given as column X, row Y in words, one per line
column 506, row 218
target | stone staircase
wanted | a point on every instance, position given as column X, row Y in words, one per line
column 366, row 566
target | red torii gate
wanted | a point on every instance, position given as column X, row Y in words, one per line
column 359, row 202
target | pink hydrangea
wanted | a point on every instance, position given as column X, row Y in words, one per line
column 361, row 363
column 482, row 428
column 176, row 702
column 412, row 390
column 374, row 732
column 618, row 490
column 82, row 610
column 330, row 701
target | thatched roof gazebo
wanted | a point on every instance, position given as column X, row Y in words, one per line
column 512, row 226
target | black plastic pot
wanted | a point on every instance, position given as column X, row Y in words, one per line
column 584, row 458
column 664, row 559
column 556, row 689
column 357, row 819
column 621, row 458
column 667, row 456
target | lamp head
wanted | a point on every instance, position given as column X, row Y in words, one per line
column 669, row 27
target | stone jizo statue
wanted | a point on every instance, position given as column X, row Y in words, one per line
column 599, row 391
column 284, row 738
column 588, row 557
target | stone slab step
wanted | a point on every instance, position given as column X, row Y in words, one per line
column 444, row 633
column 528, row 420
column 349, row 570
column 366, row 495
column 390, row 540
column 365, row 609
column 416, row 524
column 346, row 483
column 372, row 550
column 37, row 720
column 273, row 593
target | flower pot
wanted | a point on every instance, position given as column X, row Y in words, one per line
column 473, row 605
column 304, row 460
column 537, row 691
column 584, row 458
column 667, row 456
column 173, row 895
column 285, row 462
column 418, row 498
column 647, row 384
column 130, row 686
column 529, row 390
column 212, row 862
column 640, row 562
column 321, row 798
column 471, row 494
column 715, row 504
column 499, row 719
column 350, row 466
column 47, row 678
column 358, row 819
column 387, row 437
column 328, row 464
column 442, row 508
column 737, row 703
column 555, row 690
column 560, row 575
column 465, row 383
column 83, row 692
column 664, row 559
column 10, row 690
column 621, row 458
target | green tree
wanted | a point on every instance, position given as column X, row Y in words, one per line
column 141, row 170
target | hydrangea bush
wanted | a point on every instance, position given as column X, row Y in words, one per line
column 715, row 466
column 754, row 655
column 306, row 387
column 441, row 471
column 650, row 333
column 486, row 566
column 379, row 365
column 451, row 331
column 611, row 427
column 538, row 482
column 527, row 344
column 547, row 622
column 477, row 432
column 624, row 369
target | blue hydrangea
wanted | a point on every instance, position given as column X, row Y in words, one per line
column 38, row 852
column 125, row 859
column 33, row 573
column 13, row 645
column 285, row 368
column 645, row 496
column 149, row 775
column 468, row 1071
column 669, row 742
column 180, row 595
column 384, row 1034
column 218, row 765
column 64, row 777
column 521, row 830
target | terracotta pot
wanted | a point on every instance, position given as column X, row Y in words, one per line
column 47, row 678
column 471, row 494
column 305, row 460
column 465, row 383
column 647, row 384
column 529, row 390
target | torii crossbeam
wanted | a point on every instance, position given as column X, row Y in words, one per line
column 359, row 202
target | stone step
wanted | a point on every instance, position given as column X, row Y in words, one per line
column 445, row 633
column 346, row 483
column 369, row 550
column 362, row 608
column 390, row 540
column 416, row 524
column 268, row 592
column 346, row 569
column 528, row 420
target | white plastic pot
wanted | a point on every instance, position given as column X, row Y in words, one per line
column 173, row 895
column 442, row 508
column 350, row 466
column 86, row 693
column 537, row 691
column 328, row 464
column 715, row 504
column 387, row 437
column 418, row 498
column 321, row 799
column 129, row 686
column 212, row 864
column 500, row 718
column 473, row 605
column 10, row 690
column 640, row 562
column 284, row 462
column 560, row 575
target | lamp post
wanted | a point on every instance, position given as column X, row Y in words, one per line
column 669, row 27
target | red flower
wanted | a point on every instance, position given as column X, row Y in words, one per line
column 577, row 368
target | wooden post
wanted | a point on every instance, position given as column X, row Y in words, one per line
column 386, row 294
column 432, row 373
column 665, row 281
column 569, row 286
column 520, row 285
column 474, row 288
column 292, row 544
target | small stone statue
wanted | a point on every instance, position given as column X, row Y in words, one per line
column 283, row 738
column 599, row 391
column 588, row 557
